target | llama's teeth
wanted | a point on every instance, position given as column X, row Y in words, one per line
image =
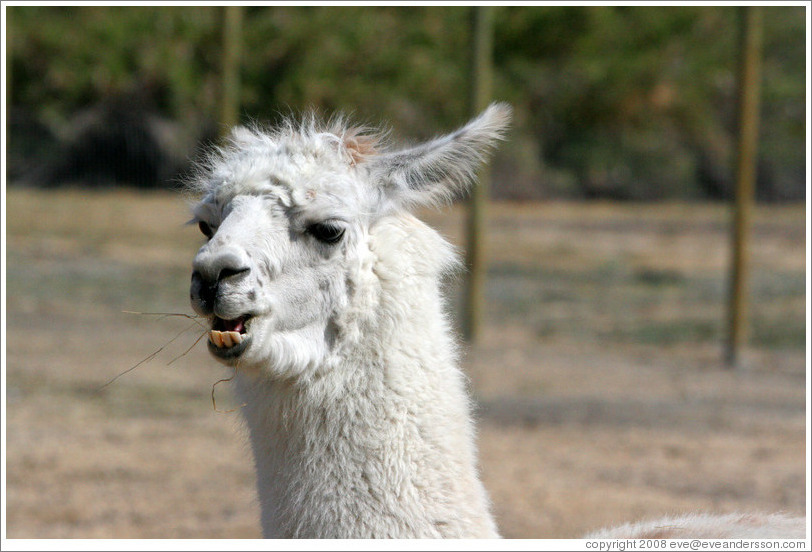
column 227, row 342
column 236, row 337
column 216, row 338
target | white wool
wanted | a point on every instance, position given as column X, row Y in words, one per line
column 379, row 442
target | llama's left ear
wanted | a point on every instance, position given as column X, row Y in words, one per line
column 443, row 168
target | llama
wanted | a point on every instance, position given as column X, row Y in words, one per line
column 323, row 293
column 704, row 526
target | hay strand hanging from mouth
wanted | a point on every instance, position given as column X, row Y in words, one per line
column 151, row 356
column 218, row 382
column 186, row 352
column 195, row 317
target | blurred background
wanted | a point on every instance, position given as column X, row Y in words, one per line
column 598, row 371
column 611, row 102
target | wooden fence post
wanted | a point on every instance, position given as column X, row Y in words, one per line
column 481, row 75
column 746, row 161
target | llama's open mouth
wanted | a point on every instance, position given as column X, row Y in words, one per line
column 229, row 338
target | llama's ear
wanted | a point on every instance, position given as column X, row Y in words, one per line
column 443, row 168
column 358, row 145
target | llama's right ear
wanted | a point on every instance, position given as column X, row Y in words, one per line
column 440, row 170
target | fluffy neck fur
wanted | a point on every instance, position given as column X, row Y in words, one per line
column 379, row 443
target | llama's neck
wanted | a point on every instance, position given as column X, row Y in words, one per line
column 378, row 444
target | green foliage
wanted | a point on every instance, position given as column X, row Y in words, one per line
column 386, row 61
column 67, row 58
column 629, row 102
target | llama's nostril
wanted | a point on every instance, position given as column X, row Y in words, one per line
column 232, row 272
column 203, row 293
column 208, row 294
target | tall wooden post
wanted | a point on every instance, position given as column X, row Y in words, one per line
column 232, row 46
column 747, row 157
column 9, row 65
column 480, row 95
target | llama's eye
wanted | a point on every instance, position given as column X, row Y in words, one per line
column 206, row 229
column 326, row 232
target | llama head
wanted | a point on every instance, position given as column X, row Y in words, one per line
column 296, row 221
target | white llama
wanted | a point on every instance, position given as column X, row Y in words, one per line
column 324, row 294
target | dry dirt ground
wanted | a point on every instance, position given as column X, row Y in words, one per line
column 601, row 395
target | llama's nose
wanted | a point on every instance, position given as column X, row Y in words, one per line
column 202, row 294
column 209, row 272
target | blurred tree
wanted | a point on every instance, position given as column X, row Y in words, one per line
column 232, row 62
column 628, row 102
